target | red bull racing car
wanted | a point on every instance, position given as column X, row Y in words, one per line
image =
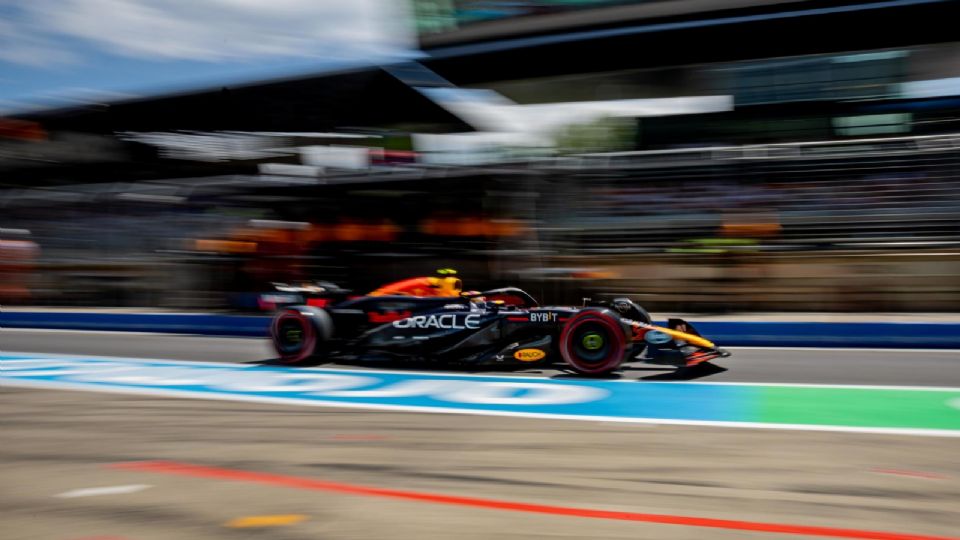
column 431, row 319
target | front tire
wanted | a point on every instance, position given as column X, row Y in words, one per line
column 299, row 333
column 593, row 342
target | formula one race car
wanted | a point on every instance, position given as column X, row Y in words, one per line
column 430, row 319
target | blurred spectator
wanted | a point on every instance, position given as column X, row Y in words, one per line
column 18, row 256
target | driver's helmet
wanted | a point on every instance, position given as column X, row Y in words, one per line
column 447, row 282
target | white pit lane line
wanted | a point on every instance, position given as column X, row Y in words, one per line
column 106, row 490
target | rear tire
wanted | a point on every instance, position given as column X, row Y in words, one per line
column 299, row 334
column 593, row 342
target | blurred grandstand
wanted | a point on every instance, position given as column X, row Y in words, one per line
column 826, row 180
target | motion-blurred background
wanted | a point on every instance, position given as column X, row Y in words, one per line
column 698, row 155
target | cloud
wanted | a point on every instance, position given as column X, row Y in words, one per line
column 214, row 30
column 23, row 45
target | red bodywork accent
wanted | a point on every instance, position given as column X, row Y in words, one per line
column 318, row 302
column 700, row 357
column 390, row 316
column 639, row 332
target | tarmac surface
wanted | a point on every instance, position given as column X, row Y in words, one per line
column 807, row 366
column 194, row 469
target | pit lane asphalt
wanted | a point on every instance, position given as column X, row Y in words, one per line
column 56, row 442
column 760, row 365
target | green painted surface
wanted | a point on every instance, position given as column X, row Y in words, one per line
column 859, row 407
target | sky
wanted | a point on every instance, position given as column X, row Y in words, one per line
column 55, row 52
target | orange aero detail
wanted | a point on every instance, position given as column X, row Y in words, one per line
column 422, row 286
column 699, row 358
column 641, row 329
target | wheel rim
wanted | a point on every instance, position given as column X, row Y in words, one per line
column 593, row 343
column 290, row 335
column 293, row 336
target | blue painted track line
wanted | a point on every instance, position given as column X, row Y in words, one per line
column 929, row 411
column 168, row 323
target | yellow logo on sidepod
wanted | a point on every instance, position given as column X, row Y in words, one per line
column 529, row 355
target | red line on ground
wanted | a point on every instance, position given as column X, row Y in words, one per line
column 201, row 471
column 914, row 474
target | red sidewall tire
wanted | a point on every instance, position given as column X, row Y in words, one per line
column 309, row 347
column 614, row 357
